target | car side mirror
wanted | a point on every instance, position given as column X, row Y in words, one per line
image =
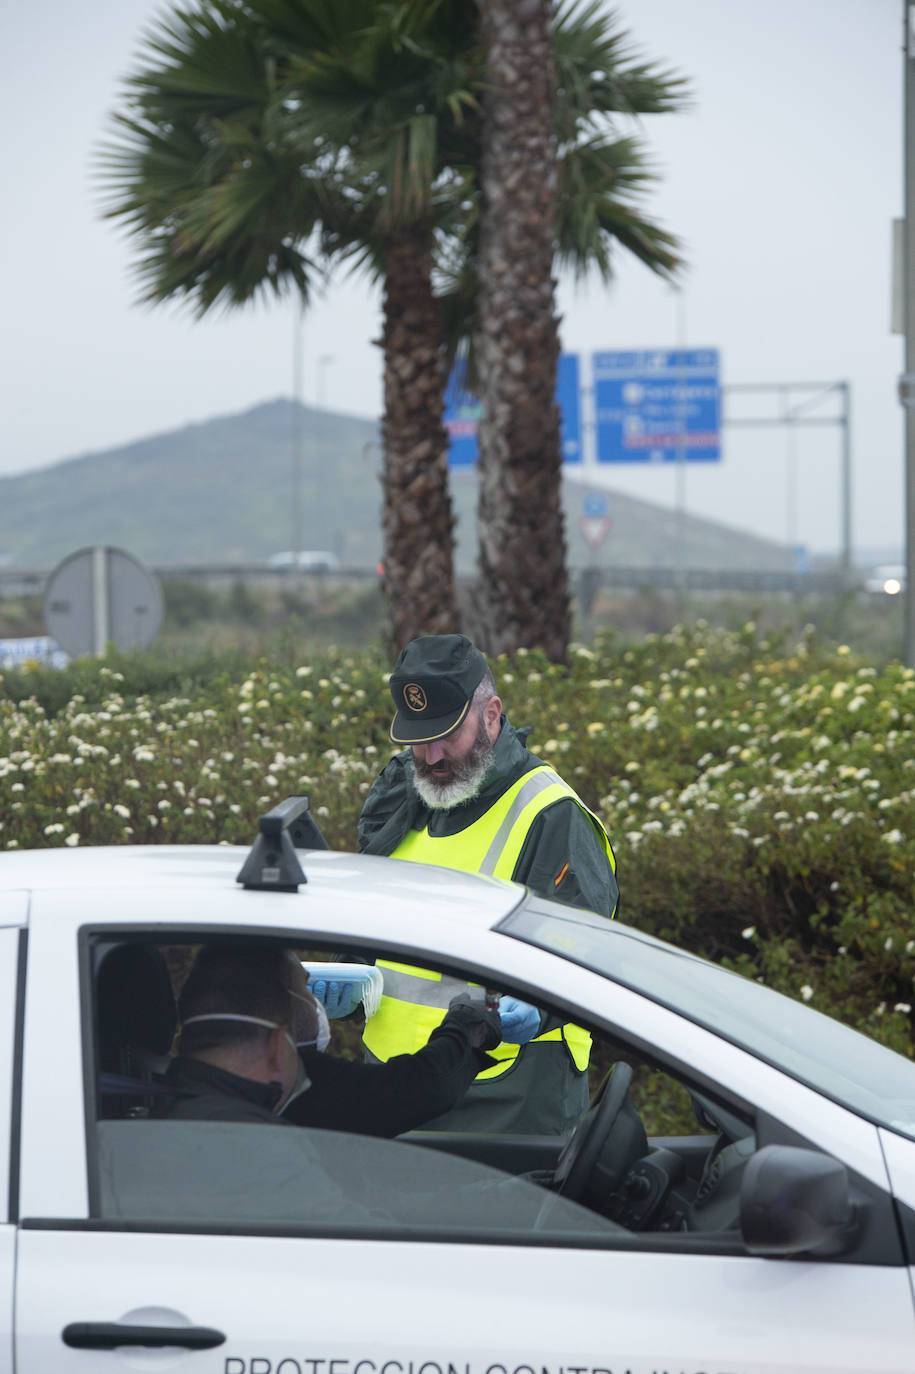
column 795, row 1201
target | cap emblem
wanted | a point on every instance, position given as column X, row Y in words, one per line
column 415, row 697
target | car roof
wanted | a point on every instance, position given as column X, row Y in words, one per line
column 207, row 875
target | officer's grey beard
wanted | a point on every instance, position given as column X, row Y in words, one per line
column 464, row 779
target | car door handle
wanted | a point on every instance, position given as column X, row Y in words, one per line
column 109, row 1335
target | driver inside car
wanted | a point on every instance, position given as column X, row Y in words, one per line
column 248, row 1030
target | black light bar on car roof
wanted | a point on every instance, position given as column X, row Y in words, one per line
column 272, row 863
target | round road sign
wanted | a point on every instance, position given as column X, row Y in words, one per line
column 100, row 596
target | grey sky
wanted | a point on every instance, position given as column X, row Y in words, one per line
column 783, row 183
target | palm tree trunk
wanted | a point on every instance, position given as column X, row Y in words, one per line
column 417, row 519
column 523, row 597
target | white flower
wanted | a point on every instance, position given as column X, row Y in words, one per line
column 904, row 1007
column 806, row 992
column 748, row 932
column 122, row 811
column 893, row 837
column 72, row 840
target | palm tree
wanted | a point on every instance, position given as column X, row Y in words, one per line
column 523, row 589
column 553, row 184
column 264, row 140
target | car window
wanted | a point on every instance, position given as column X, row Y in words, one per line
column 665, row 1164
column 267, row 1176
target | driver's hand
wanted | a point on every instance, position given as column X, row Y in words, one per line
column 483, row 1027
column 520, row 1021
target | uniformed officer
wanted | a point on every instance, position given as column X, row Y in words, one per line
column 466, row 793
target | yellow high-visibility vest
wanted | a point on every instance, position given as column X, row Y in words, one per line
column 415, row 1000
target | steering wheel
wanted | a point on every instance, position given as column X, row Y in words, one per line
column 583, row 1147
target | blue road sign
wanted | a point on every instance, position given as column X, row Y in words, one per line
column 654, row 406
column 37, row 648
column 568, row 394
column 462, row 412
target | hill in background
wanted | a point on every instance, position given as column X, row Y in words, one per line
column 221, row 492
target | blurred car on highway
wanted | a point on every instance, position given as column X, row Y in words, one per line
column 308, row 560
column 887, row 579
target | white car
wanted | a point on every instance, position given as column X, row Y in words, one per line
column 311, row 560
column 888, row 579
column 777, row 1234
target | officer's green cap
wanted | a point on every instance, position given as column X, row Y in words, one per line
column 432, row 684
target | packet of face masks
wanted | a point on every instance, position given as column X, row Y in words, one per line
column 363, row 982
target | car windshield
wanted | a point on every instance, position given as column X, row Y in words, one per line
column 841, row 1063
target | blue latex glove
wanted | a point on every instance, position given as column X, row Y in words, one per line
column 337, row 998
column 520, row 1021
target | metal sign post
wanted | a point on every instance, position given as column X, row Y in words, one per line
column 793, row 412
column 907, row 381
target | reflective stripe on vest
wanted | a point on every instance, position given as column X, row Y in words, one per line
column 416, row 1000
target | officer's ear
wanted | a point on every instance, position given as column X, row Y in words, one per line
column 492, row 713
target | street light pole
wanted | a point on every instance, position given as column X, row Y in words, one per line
column 907, row 380
column 324, row 361
column 298, row 326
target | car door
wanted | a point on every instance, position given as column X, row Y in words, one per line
column 266, row 1250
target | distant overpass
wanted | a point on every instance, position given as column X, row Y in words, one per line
column 31, row 581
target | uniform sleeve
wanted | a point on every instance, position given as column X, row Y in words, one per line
column 387, row 1099
column 564, row 858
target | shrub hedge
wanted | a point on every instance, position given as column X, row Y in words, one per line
column 758, row 791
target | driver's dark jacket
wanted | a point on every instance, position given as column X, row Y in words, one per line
column 372, row 1099
column 543, row 1092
